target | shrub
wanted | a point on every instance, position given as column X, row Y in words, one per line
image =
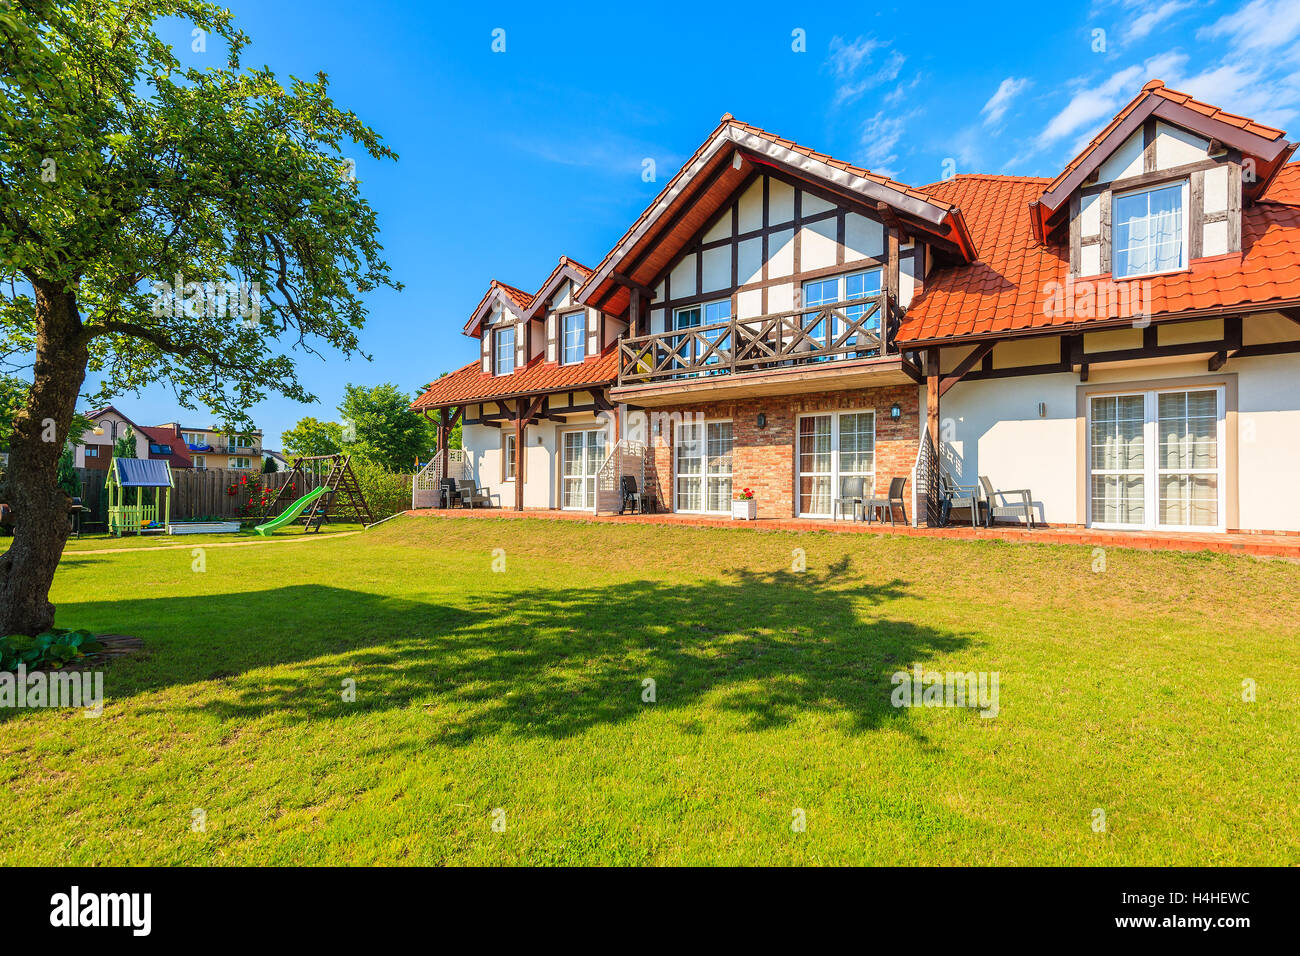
column 387, row 493
column 53, row 648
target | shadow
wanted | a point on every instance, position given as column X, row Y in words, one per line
column 545, row 662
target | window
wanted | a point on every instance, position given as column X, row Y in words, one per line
column 857, row 290
column 1155, row 459
column 704, row 467
column 832, row 448
column 157, row 449
column 92, row 451
column 1150, row 230
column 507, row 457
column 239, row 463
column 200, row 463
column 582, row 453
column 575, row 338
column 192, row 438
column 503, row 344
column 707, row 313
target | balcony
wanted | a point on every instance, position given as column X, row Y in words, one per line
column 247, row 451
column 839, row 344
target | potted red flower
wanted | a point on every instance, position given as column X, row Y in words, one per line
column 743, row 505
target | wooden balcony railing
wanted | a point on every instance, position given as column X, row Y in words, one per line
column 838, row 331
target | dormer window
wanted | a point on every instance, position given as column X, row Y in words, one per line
column 575, row 338
column 1150, row 230
column 503, row 350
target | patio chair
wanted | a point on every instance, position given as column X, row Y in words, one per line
column 1024, row 508
column 630, row 496
column 470, row 495
column 959, row 496
column 447, row 493
column 894, row 498
column 852, row 493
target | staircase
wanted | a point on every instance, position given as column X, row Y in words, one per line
column 425, row 485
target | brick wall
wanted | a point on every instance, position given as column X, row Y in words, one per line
column 764, row 458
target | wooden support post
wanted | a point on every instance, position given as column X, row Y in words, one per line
column 444, row 439
column 520, row 425
column 932, row 396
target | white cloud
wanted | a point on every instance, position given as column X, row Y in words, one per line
column 1150, row 18
column 880, row 137
column 847, row 61
column 1258, row 26
column 1088, row 106
column 1000, row 101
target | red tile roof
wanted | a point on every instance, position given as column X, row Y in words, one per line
column 522, row 301
column 1006, row 290
column 165, row 436
column 538, row 377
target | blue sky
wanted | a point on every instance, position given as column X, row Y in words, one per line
column 509, row 160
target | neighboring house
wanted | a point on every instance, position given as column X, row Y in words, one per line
column 531, row 405
column 281, row 462
column 181, row 447
column 1122, row 340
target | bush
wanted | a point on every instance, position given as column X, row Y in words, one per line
column 53, row 648
column 387, row 493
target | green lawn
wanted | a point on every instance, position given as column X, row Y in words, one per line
column 522, row 690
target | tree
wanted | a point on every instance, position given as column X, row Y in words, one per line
column 13, row 396
column 67, row 474
column 387, row 432
column 124, row 445
column 160, row 222
column 311, row 436
column 269, row 466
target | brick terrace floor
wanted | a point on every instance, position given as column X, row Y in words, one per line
column 1258, row 545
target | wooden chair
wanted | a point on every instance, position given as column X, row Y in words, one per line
column 1024, row 508
column 895, row 497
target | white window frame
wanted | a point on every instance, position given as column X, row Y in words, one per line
column 236, row 466
column 588, row 479
column 507, row 457
column 1185, row 251
column 836, row 475
column 704, row 476
column 829, row 334
column 497, row 349
column 580, row 343
column 200, row 463
column 1151, row 467
column 92, row 451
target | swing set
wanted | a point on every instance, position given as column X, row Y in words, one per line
column 337, row 495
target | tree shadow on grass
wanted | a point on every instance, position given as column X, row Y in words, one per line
column 549, row 662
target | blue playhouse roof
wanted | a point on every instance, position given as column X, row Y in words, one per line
column 142, row 473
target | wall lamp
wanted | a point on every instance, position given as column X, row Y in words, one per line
column 762, row 420
column 896, row 410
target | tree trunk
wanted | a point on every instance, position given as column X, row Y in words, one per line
column 40, row 434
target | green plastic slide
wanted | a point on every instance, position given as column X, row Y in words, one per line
column 295, row 509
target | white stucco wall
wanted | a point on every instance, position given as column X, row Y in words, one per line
column 994, row 428
column 541, row 465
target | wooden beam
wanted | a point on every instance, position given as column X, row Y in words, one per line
column 977, row 354
column 932, row 395
column 1218, row 360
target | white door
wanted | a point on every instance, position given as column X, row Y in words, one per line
column 703, row 468
column 581, row 456
column 834, row 448
column 1156, row 460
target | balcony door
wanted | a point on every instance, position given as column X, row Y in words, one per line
column 703, row 468
column 834, row 447
column 581, row 455
column 1155, row 460
column 707, row 313
column 857, row 291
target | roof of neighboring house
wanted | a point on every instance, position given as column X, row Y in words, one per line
column 165, row 436
column 471, row 384
column 721, row 165
column 1006, row 290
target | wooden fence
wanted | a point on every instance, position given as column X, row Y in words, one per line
column 198, row 493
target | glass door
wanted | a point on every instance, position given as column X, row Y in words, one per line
column 1156, row 460
column 582, row 454
column 702, row 460
column 833, row 449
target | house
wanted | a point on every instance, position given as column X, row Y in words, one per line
column 180, row 447
column 534, row 405
column 1120, row 339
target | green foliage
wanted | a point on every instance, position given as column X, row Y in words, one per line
column 124, row 446
column 311, row 436
column 387, row 432
column 122, row 169
column 387, row 493
column 50, row 649
column 378, row 427
column 13, row 396
column 68, row 479
column 269, row 465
